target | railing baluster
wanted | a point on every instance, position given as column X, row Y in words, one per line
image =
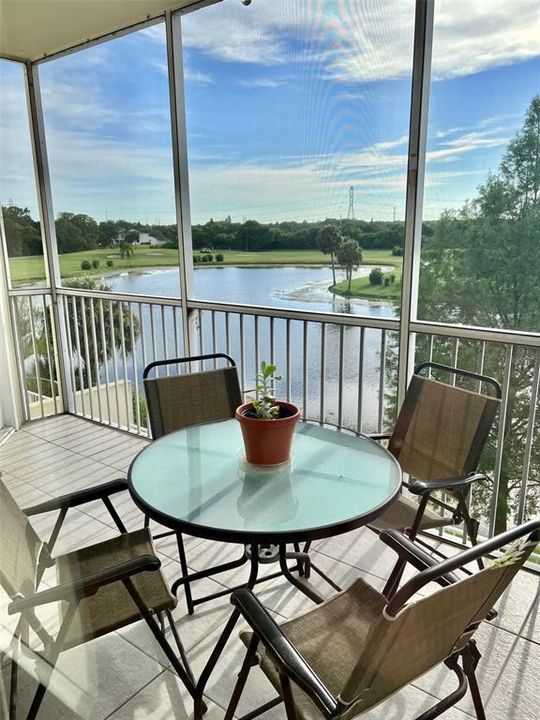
column 143, row 341
column 359, row 422
column 70, row 353
column 115, row 363
column 227, row 334
column 480, row 364
column 164, row 336
column 529, row 440
column 153, row 337
column 176, row 342
column 256, row 354
column 124, row 359
column 105, row 358
column 288, row 358
column 20, row 355
column 340, row 376
column 137, row 400
column 242, row 362
column 214, row 350
column 323, row 368
column 272, row 342
column 500, row 438
column 35, row 354
column 305, row 366
column 52, row 367
column 455, row 359
column 87, row 366
column 382, row 365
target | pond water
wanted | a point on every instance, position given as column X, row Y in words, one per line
column 302, row 288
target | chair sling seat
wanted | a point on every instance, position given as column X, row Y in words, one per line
column 330, row 637
column 112, row 606
column 401, row 514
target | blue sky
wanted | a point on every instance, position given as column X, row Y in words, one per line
column 288, row 104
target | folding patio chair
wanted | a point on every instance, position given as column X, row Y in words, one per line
column 179, row 401
column 438, row 438
column 101, row 588
column 351, row 653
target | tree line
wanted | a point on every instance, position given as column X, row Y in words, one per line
column 77, row 232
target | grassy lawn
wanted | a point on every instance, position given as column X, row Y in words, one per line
column 361, row 287
column 26, row 270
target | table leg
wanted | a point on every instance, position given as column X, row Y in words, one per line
column 224, row 637
column 298, row 582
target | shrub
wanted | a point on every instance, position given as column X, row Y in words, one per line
column 397, row 251
column 210, row 257
column 110, row 263
column 376, row 276
column 95, row 264
column 86, row 265
column 392, row 278
column 204, row 259
column 386, row 281
column 196, row 259
column 219, row 257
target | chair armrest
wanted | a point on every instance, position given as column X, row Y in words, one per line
column 282, row 650
column 419, row 487
column 79, row 497
column 385, row 436
column 418, row 558
column 89, row 585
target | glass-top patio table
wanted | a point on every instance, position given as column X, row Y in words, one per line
column 196, row 481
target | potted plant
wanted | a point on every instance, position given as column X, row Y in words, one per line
column 267, row 424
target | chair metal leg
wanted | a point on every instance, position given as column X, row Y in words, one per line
column 112, row 512
column 249, row 661
column 394, row 579
column 471, row 656
column 223, row 638
column 184, row 566
column 14, row 673
column 454, row 697
column 288, row 699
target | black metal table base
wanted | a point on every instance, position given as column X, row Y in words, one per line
column 292, row 574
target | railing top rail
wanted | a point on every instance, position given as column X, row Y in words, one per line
column 471, row 332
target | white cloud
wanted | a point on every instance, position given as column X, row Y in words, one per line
column 261, row 83
column 196, row 77
column 366, row 40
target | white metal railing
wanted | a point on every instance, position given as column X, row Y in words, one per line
column 339, row 369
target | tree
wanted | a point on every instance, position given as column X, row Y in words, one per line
column 116, row 324
column 126, row 250
column 23, row 235
column 481, row 267
column 328, row 240
column 349, row 256
column 76, row 232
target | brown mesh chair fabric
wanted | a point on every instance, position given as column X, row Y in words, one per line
column 441, row 430
column 112, row 607
column 19, row 547
column 363, row 655
column 180, row 401
column 440, row 433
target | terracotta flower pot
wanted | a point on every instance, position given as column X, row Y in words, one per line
column 268, row 442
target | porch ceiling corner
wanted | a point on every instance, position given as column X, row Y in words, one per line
column 34, row 29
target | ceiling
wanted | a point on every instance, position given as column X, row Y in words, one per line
column 33, row 29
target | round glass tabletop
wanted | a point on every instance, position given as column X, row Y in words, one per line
column 197, row 481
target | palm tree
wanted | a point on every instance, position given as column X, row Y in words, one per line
column 329, row 239
column 349, row 256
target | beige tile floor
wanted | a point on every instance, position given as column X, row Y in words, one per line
column 125, row 675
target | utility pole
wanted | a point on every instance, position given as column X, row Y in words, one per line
column 350, row 212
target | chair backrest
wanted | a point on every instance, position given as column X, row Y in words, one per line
column 410, row 638
column 441, row 430
column 179, row 401
column 20, row 547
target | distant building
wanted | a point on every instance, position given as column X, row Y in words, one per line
column 143, row 239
